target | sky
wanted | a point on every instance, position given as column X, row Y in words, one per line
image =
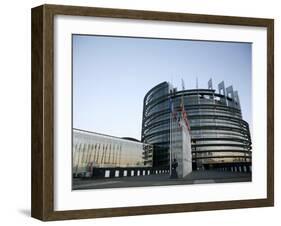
column 111, row 76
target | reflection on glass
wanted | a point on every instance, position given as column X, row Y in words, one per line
column 96, row 150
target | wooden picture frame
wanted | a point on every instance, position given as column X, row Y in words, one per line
column 42, row 203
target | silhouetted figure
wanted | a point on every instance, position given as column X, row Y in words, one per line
column 174, row 174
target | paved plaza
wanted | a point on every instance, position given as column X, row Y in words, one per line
column 196, row 177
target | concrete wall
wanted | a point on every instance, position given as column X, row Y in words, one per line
column 181, row 147
column 186, row 151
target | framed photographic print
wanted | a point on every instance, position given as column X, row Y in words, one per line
column 142, row 112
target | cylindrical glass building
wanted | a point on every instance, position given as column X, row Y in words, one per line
column 220, row 137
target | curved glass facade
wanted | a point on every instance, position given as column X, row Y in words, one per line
column 219, row 134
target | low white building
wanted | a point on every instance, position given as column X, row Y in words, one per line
column 93, row 150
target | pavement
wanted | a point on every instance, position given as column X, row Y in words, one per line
column 195, row 177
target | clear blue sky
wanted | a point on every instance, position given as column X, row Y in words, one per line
column 111, row 76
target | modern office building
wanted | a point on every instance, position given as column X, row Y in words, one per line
column 220, row 138
column 97, row 155
column 106, row 156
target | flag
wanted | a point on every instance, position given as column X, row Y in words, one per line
column 172, row 109
column 171, row 104
column 182, row 84
column 184, row 116
column 179, row 120
column 183, row 112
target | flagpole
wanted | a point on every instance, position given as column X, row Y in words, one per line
column 171, row 115
column 171, row 144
